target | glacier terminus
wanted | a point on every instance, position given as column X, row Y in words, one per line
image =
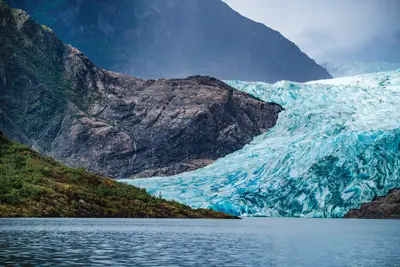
column 335, row 146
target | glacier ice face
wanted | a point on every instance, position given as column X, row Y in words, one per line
column 336, row 145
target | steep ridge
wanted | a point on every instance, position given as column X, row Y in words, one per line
column 174, row 38
column 56, row 100
column 336, row 146
column 35, row 186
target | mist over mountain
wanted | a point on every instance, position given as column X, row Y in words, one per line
column 174, row 38
column 380, row 48
column 354, row 68
column 333, row 31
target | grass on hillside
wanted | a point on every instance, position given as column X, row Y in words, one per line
column 32, row 185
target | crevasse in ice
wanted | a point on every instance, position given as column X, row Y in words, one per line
column 336, row 145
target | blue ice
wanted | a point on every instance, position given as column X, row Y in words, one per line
column 336, row 145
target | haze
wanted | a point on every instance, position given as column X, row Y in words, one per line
column 334, row 30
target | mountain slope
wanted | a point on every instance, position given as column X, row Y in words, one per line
column 56, row 100
column 174, row 38
column 35, row 186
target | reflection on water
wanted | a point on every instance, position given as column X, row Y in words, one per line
column 154, row 242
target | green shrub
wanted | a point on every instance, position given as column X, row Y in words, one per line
column 32, row 191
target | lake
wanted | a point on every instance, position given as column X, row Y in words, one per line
column 169, row 242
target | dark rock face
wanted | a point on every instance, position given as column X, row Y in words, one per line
column 161, row 127
column 174, row 38
column 14, row 132
column 385, row 207
column 56, row 100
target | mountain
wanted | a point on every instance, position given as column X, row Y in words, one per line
column 54, row 99
column 35, row 186
column 335, row 147
column 350, row 68
column 174, row 38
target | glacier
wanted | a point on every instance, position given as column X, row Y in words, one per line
column 350, row 68
column 336, row 145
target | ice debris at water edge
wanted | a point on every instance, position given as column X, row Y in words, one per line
column 336, row 145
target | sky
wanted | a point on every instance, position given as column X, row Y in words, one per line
column 332, row 30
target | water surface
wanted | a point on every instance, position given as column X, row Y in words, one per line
column 155, row 242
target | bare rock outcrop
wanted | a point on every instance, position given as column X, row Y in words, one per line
column 57, row 101
column 384, row 207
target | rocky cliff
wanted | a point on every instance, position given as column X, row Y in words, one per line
column 174, row 38
column 56, row 100
column 385, row 207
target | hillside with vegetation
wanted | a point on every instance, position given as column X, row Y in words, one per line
column 32, row 185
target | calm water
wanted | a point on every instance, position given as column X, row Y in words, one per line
column 248, row 242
